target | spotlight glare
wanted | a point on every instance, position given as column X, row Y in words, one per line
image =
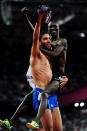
column 82, row 35
column 82, row 104
column 76, row 104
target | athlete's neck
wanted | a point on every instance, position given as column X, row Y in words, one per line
column 55, row 37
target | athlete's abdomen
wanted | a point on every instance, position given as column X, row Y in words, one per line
column 41, row 71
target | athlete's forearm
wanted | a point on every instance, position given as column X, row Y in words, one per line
column 54, row 53
column 63, row 68
column 24, row 12
column 29, row 24
column 36, row 33
column 46, row 52
column 61, row 47
column 35, row 47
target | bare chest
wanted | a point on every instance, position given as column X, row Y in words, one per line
column 41, row 70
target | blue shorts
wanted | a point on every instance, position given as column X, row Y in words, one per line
column 52, row 99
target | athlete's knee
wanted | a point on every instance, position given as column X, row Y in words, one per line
column 44, row 95
column 56, row 84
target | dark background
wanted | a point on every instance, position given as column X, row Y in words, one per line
column 15, row 46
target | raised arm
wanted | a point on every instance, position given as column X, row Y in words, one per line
column 24, row 12
column 36, row 34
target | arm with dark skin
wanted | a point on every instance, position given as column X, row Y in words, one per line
column 24, row 12
column 62, row 57
column 62, row 46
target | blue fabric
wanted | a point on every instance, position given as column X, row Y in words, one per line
column 52, row 100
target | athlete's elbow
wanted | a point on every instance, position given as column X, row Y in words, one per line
column 64, row 42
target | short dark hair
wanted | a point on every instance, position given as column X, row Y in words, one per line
column 41, row 34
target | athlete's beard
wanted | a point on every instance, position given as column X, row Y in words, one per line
column 44, row 47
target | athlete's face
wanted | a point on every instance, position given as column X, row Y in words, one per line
column 46, row 40
column 53, row 29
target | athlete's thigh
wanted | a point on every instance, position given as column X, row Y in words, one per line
column 52, row 87
column 57, row 121
column 46, row 120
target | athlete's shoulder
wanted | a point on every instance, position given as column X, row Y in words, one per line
column 63, row 40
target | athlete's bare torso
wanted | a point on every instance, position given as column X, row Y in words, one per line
column 41, row 70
